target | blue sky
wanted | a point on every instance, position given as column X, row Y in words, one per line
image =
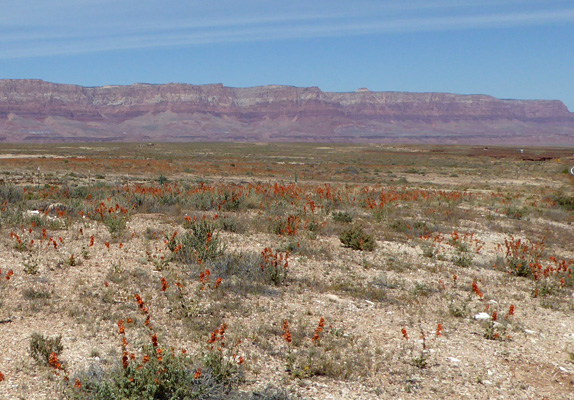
column 505, row 48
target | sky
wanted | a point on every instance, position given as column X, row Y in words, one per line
column 519, row 49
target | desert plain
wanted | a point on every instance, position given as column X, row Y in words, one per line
column 286, row 271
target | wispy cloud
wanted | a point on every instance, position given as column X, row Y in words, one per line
column 102, row 25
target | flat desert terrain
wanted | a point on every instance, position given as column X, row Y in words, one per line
column 286, row 271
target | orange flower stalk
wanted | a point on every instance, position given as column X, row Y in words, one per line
column 286, row 332
column 53, row 361
column 477, row 290
column 164, row 285
column 405, row 334
column 217, row 283
column 197, row 374
column 121, row 327
column 439, row 330
column 141, row 303
column 317, row 336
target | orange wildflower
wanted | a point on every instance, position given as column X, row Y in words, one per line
column 405, row 334
column 476, row 289
column 217, row 283
column 53, row 361
column 121, row 327
column 286, row 332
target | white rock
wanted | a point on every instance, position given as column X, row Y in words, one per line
column 528, row 331
column 369, row 302
column 482, row 316
column 454, row 360
column 333, row 297
column 564, row 370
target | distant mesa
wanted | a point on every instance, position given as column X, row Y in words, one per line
column 39, row 111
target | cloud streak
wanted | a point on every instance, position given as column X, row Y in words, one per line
column 203, row 25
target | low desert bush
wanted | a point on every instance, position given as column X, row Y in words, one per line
column 201, row 242
column 357, row 239
column 173, row 376
column 42, row 348
column 342, row 216
column 564, row 201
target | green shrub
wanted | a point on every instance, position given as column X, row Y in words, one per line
column 462, row 259
column 232, row 225
column 116, row 225
column 515, row 212
column 289, row 226
column 42, row 347
column 342, row 216
column 201, row 242
column 176, row 376
column 357, row 239
column 564, row 201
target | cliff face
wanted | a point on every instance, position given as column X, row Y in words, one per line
column 34, row 110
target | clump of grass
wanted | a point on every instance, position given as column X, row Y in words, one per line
column 274, row 266
column 232, row 225
column 357, row 239
column 321, row 353
column 564, row 201
column 201, row 242
column 116, row 225
column 42, row 348
column 515, row 212
column 462, row 259
column 342, row 216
